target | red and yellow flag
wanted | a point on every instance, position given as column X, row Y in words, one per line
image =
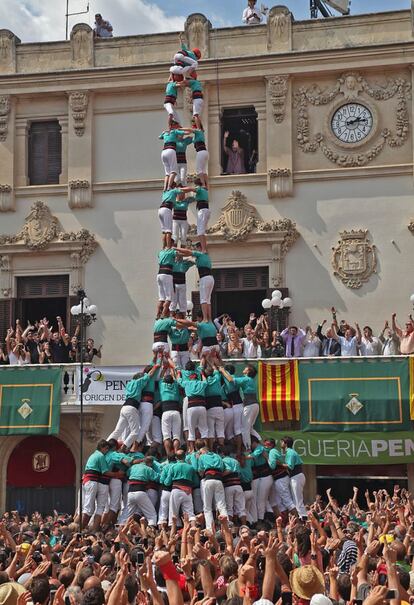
column 411, row 362
column 279, row 391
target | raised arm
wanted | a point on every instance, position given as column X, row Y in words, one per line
column 395, row 327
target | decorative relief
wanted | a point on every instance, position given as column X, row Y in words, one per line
column 279, row 29
column 8, row 43
column 78, row 102
column 239, row 219
column 92, row 427
column 80, row 194
column 6, row 198
column 197, row 28
column 411, row 226
column 278, row 90
column 351, row 86
column 280, row 182
column 41, row 229
column 4, row 116
column 81, row 40
column 354, row 258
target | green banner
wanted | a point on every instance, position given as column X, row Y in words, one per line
column 30, row 401
column 354, row 395
column 351, row 448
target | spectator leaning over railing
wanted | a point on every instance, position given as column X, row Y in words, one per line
column 348, row 342
column 389, row 341
column 406, row 336
column 311, row 343
column 330, row 346
column 368, row 344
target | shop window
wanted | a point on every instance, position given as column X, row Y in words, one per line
column 239, row 140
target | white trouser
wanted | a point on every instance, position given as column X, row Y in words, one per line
column 297, row 483
column 180, row 358
column 261, row 491
column 213, row 492
column 202, row 161
column 235, row 502
column 238, row 418
column 189, row 64
column 179, row 231
column 179, row 299
column 165, row 216
column 181, row 174
column 128, row 424
column 210, row 349
column 228, row 423
column 169, row 160
column 198, row 106
column 251, row 509
column 146, row 411
column 284, row 500
column 159, row 347
column 165, row 287
column 185, row 414
column 164, row 506
column 181, row 500
column 122, row 517
column 154, row 434
column 198, row 500
column 95, row 498
column 153, row 496
column 215, row 423
column 139, row 503
column 115, row 494
column 171, row 110
column 171, row 425
column 197, row 419
column 206, row 285
column 203, row 216
column 250, row 413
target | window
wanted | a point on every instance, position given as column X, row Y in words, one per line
column 241, row 126
column 45, row 153
column 239, row 292
column 43, row 296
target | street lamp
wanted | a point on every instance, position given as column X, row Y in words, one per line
column 275, row 305
column 85, row 314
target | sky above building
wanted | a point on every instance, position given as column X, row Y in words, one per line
column 42, row 20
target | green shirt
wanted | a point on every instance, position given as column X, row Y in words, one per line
column 169, row 392
column 199, row 136
column 193, row 388
column 142, row 472
column 195, row 85
column 166, row 256
column 97, row 462
column 292, row 458
column 189, row 52
column 179, row 336
column 274, row 457
column 135, row 387
column 171, row 136
column 232, row 465
column 202, row 260
column 193, row 460
column 246, row 384
column 214, row 388
column 182, row 266
column 170, row 196
column 182, row 144
column 206, row 329
column 258, row 458
column 114, row 460
column 201, row 194
column 171, row 89
column 246, row 472
column 210, row 460
column 164, row 325
column 183, row 471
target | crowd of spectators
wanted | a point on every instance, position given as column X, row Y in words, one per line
column 43, row 343
column 337, row 555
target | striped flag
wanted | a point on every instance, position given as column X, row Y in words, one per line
column 411, row 362
column 279, row 391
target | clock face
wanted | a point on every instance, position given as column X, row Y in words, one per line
column 352, row 123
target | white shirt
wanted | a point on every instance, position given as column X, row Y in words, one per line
column 248, row 12
column 102, row 32
column 250, row 350
column 348, row 347
column 368, row 348
column 311, row 347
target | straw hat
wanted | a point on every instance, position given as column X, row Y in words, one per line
column 307, row 581
column 9, row 593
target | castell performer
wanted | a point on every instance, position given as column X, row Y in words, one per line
column 181, row 150
column 169, row 199
column 197, row 97
column 206, row 282
column 171, row 99
column 185, row 60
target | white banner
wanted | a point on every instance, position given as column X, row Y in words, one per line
column 104, row 384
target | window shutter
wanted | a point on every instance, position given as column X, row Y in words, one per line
column 5, row 317
column 45, row 153
column 254, row 278
column 43, row 286
column 195, row 297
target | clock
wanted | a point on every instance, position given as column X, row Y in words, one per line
column 352, row 123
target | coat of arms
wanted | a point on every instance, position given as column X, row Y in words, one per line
column 41, row 462
column 354, row 258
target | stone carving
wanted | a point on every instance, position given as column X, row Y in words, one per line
column 6, row 198
column 278, row 91
column 350, row 86
column 280, row 182
column 8, row 43
column 80, row 195
column 81, row 40
column 239, row 219
column 92, row 427
column 4, row 116
column 197, row 28
column 41, row 229
column 78, row 102
column 279, row 34
column 354, row 258
column 5, row 263
column 411, row 226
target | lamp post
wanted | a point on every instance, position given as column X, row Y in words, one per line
column 276, row 304
column 85, row 314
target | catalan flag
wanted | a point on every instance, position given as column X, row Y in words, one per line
column 411, row 362
column 279, row 391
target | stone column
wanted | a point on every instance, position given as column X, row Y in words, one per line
column 8, row 43
column 79, row 149
column 7, row 153
column 262, row 136
column 63, row 178
column 279, row 136
column 21, row 153
column 214, row 141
